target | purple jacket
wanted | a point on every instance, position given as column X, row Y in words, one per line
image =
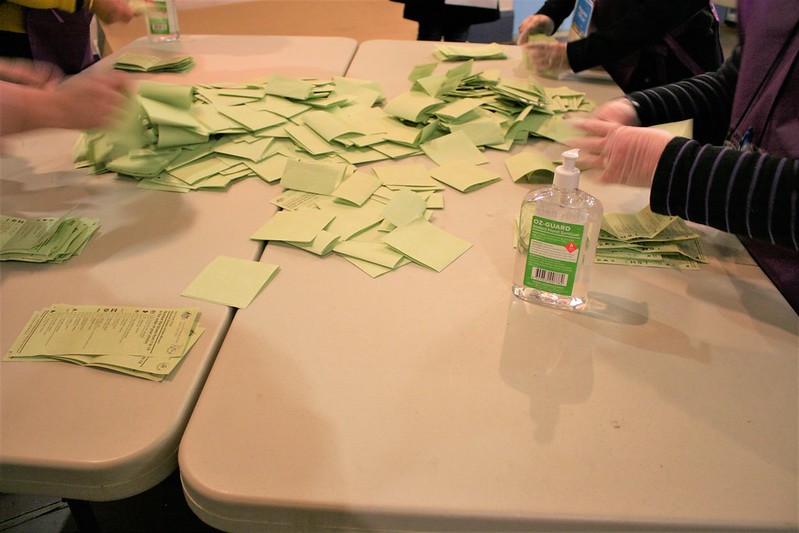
column 767, row 96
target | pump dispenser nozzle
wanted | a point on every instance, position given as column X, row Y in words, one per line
column 567, row 175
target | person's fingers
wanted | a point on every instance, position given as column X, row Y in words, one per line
column 587, row 145
column 595, row 127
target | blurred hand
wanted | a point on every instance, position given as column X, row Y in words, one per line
column 33, row 73
column 547, row 58
column 535, row 24
column 111, row 11
column 618, row 110
column 89, row 101
column 623, row 154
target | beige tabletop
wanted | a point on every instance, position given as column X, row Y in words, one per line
column 90, row 434
column 438, row 401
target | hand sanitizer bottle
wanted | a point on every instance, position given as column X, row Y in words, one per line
column 558, row 232
column 162, row 21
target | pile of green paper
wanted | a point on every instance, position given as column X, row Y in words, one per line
column 310, row 135
column 144, row 342
column 453, row 52
column 133, row 62
column 377, row 220
column 182, row 137
column 44, row 239
column 648, row 239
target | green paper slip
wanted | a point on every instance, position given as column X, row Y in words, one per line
column 148, row 63
column 310, row 176
column 643, row 224
column 426, row 244
column 44, row 239
column 293, row 226
column 530, row 166
column 351, row 220
column 448, row 52
column 270, row 169
column 456, row 147
column 63, row 329
column 373, row 252
column 323, row 243
column 289, row 88
column 297, row 200
column 404, row 208
column 231, row 281
column 405, row 175
column 174, row 94
column 465, row 177
column 252, row 119
column 482, row 132
column 413, row 106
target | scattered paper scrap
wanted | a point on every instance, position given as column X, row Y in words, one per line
column 231, row 281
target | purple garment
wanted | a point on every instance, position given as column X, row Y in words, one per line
column 60, row 38
column 767, row 95
column 767, row 101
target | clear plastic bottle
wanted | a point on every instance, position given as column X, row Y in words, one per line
column 558, row 231
column 162, row 21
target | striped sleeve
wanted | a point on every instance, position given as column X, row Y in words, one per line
column 707, row 98
column 750, row 194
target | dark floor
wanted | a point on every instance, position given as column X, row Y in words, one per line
column 160, row 509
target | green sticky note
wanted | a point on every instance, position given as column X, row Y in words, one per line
column 231, row 281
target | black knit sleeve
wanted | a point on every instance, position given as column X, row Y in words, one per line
column 557, row 10
column 750, row 194
column 706, row 98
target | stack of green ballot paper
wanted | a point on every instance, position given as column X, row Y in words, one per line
column 45, row 239
column 188, row 137
column 144, row 342
column 648, row 239
column 133, row 62
column 451, row 52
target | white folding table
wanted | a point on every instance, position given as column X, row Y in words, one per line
column 438, row 401
column 89, row 434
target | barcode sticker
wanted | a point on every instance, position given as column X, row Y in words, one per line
column 556, row 278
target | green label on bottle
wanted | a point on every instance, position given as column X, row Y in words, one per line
column 552, row 255
column 158, row 18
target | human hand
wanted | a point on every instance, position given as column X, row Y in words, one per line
column 89, row 101
column 535, row 24
column 33, row 73
column 623, row 154
column 547, row 58
column 111, row 11
column 618, row 110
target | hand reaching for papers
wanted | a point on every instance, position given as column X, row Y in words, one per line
column 624, row 154
column 85, row 101
column 535, row 24
column 548, row 58
column 618, row 110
